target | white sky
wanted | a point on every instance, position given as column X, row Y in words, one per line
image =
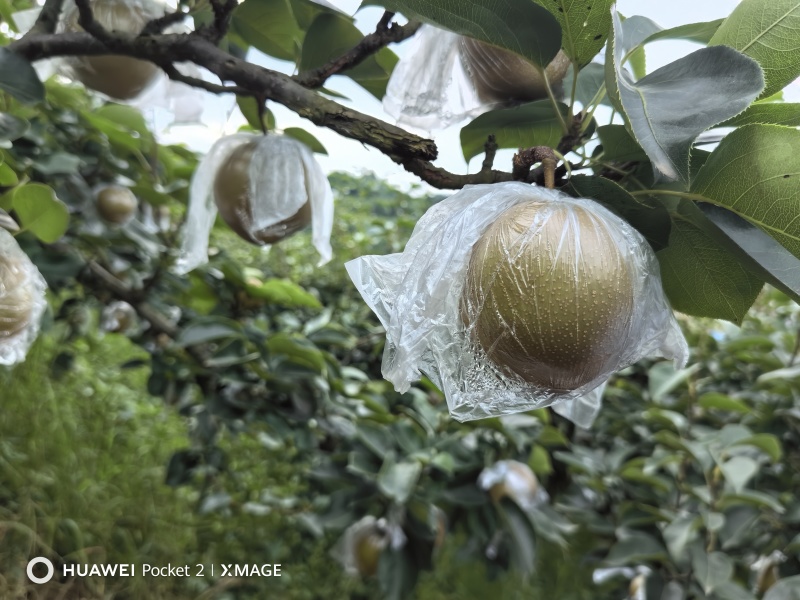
column 348, row 155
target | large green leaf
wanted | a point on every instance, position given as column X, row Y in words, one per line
column 774, row 263
column 40, row 212
column 670, row 107
column 11, row 127
column 532, row 124
column 699, row 270
column 754, row 172
column 775, row 113
column 584, row 26
column 695, row 32
column 18, row 78
column 301, row 135
column 269, row 26
column 330, row 36
column 619, row 145
column 769, row 32
column 632, row 33
column 518, row 25
column 649, row 217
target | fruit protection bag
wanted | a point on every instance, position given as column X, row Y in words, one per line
column 22, row 301
column 582, row 298
column 429, row 88
column 283, row 176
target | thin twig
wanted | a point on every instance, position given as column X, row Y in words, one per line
column 215, row 88
column 490, row 148
column 158, row 25
column 384, row 35
column 526, row 158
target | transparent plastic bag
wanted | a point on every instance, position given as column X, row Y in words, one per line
column 446, row 78
column 429, row 88
column 284, row 176
column 435, row 324
column 22, row 301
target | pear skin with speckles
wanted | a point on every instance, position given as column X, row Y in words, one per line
column 549, row 294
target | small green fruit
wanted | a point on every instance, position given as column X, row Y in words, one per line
column 116, row 204
column 368, row 553
column 16, row 298
column 549, row 294
column 120, row 77
column 232, row 197
column 500, row 75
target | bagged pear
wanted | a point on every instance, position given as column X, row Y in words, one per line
column 22, row 301
column 446, row 78
column 265, row 188
column 511, row 297
column 119, row 77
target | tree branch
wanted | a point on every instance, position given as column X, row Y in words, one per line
column 174, row 74
column 384, row 35
column 47, row 20
column 156, row 26
column 280, row 88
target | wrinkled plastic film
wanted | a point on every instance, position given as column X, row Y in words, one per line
column 22, row 301
column 419, row 296
column 283, row 176
column 429, row 88
column 202, row 210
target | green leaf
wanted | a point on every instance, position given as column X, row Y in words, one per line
column 532, row 124
column 333, row 34
column 719, row 401
column 766, row 442
column 754, row 172
column 670, row 107
column 663, row 378
column 765, row 31
column 208, row 330
column 634, row 547
column 398, row 479
column 711, row 570
column 785, row 589
column 40, row 212
column 282, row 292
column 695, row 32
column 649, row 217
column 397, row 573
column 18, row 78
column 539, row 461
column 763, row 255
column 517, row 25
column 58, row 163
column 633, row 31
column 249, row 107
column 297, row 350
column 117, row 135
column 7, row 176
column 584, row 26
column 269, row 26
column 521, row 535
column 305, row 11
column 11, row 127
column 619, row 145
column 309, row 140
column 699, row 270
column 679, row 534
column 738, row 471
column 777, row 113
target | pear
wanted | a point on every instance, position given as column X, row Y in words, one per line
column 500, row 75
column 548, row 294
column 16, row 298
column 116, row 76
column 233, row 199
column 116, row 204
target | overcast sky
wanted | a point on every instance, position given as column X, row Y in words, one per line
column 348, row 155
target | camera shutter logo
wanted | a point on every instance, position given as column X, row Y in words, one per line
column 36, row 561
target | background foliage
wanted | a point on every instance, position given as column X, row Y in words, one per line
column 252, row 387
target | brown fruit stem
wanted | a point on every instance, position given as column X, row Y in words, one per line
column 526, row 158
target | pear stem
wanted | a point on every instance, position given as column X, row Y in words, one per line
column 525, row 158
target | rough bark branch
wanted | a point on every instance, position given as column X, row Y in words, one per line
column 413, row 152
column 384, row 35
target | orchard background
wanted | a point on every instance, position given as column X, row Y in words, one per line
column 240, row 416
